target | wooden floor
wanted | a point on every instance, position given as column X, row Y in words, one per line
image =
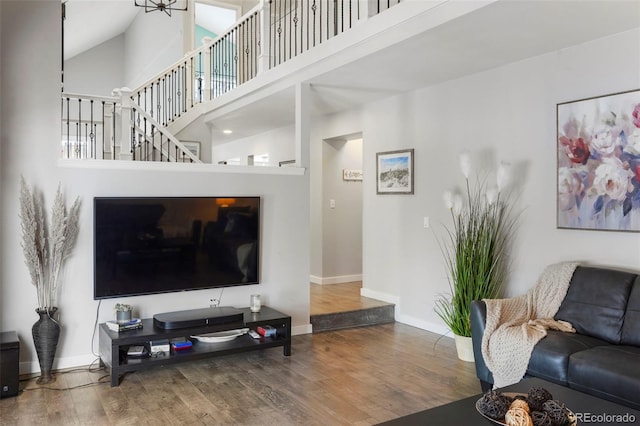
column 332, row 298
column 359, row 376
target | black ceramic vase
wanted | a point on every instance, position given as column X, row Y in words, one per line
column 46, row 332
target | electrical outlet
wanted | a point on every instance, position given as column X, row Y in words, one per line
column 426, row 221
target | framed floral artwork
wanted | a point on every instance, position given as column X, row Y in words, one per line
column 394, row 170
column 599, row 163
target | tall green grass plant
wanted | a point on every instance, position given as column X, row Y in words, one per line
column 476, row 249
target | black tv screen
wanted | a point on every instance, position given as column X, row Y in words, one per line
column 148, row 245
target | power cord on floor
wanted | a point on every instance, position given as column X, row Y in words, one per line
column 95, row 328
column 90, row 369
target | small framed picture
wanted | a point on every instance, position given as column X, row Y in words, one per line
column 394, row 171
column 352, row 174
column 194, row 147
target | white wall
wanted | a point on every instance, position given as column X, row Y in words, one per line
column 506, row 113
column 96, row 71
column 31, row 150
column 153, row 42
column 278, row 143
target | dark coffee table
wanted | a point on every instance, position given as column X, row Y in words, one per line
column 586, row 407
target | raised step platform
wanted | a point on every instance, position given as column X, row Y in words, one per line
column 358, row 318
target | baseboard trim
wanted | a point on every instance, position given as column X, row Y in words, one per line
column 301, row 329
column 378, row 295
column 33, row 367
column 335, row 280
column 424, row 325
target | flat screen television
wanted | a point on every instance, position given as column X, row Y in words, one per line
column 146, row 245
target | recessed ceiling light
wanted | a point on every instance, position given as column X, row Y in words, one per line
column 227, row 131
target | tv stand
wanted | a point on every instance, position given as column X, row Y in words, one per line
column 113, row 345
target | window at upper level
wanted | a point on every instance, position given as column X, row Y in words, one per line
column 212, row 19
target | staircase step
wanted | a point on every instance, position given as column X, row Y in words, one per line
column 359, row 318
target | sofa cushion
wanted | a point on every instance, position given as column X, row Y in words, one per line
column 550, row 357
column 631, row 326
column 609, row 372
column 596, row 302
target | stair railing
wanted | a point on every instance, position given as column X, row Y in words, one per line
column 150, row 141
column 204, row 74
column 272, row 33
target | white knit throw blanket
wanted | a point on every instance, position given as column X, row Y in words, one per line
column 515, row 325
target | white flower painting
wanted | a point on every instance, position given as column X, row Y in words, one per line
column 599, row 163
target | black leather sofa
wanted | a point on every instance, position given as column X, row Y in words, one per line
column 603, row 357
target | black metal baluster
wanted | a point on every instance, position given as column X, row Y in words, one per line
column 223, row 64
column 169, row 98
column 92, row 134
column 165, row 104
column 79, row 129
column 143, row 132
column 113, row 131
column 158, row 106
column 176, row 100
column 210, row 76
column 68, row 131
column 234, row 58
column 103, row 129
column 290, row 18
column 174, row 94
column 184, row 87
column 199, row 79
column 133, row 136
column 251, row 38
column 214, row 70
column 269, row 24
column 299, row 6
column 280, row 32
column 228, row 61
column 151, row 100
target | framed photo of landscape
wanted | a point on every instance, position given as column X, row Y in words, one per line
column 394, row 172
column 598, row 174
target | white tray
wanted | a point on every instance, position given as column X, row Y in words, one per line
column 220, row 336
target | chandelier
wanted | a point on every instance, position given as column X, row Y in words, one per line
column 165, row 6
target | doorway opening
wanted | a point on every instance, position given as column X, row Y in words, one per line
column 335, row 299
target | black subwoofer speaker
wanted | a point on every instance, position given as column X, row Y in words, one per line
column 9, row 364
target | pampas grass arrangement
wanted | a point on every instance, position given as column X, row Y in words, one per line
column 477, row 250
column 45, row 245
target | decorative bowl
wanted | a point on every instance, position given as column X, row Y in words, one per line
column 573, row 421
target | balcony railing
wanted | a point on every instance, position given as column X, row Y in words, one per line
column 88, row 126
column 272, row 33
column 133, row 124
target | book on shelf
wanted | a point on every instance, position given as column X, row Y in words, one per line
column 180, row 344
column 267, row 331
column 132, row 324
